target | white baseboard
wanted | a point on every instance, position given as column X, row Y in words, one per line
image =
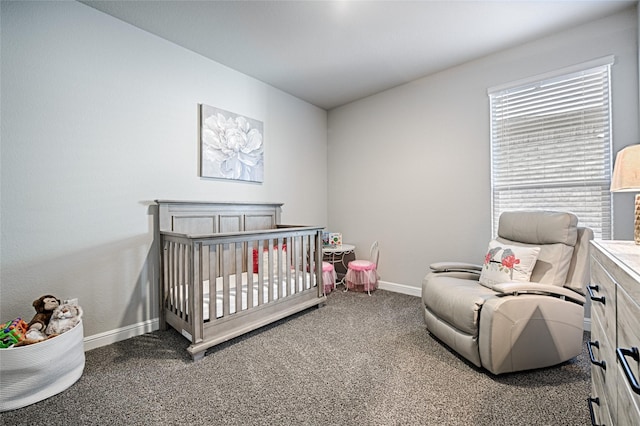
column 400, row 288
column 123, row 333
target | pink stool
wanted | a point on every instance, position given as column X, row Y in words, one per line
column 328, row 277
column 362, row 275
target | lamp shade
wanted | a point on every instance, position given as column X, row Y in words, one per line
column 626, row 178
column 626, row 170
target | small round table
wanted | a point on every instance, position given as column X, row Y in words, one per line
column 339, row 257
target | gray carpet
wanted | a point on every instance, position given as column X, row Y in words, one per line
column 358, row 360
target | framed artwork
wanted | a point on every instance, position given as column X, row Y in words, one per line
column 231, row 145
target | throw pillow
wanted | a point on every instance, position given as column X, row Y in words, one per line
column 507, row 263
column 553, row 262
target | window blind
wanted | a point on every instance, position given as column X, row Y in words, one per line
column 551, row 147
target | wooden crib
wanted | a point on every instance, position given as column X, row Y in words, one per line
column 230, row 268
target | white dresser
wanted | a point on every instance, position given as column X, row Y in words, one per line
column 615, row 333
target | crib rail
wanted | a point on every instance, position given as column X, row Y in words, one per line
column 210, row 281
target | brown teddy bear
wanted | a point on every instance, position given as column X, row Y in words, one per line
column 44, row 306
column 44, row 309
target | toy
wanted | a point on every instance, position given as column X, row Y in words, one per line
column 64, row 318
column 33, row 336
column 44, row 307
column 12, row 332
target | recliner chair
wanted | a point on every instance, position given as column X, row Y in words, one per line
column 524, row 307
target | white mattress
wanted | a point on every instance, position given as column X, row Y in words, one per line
column 288, row 289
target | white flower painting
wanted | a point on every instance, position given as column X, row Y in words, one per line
column 231, row 145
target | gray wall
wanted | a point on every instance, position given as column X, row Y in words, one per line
column 100, row 118
column 410, row 167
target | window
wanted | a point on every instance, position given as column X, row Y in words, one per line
column 551, row 145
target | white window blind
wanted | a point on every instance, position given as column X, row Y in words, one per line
column 551, row 147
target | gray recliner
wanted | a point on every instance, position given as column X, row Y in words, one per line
column 515, row 324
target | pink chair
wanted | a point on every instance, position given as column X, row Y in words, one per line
column 328, row 277
column 362, row 275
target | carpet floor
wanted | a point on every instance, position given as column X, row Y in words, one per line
column 357, row 360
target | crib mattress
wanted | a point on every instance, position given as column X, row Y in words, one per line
column 303, row 277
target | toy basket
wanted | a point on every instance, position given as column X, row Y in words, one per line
column 35, row 372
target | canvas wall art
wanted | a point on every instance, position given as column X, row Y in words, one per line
column 231, row 145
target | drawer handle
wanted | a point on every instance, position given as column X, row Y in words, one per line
column 623, row 353
column 592, row 401
column 591, row 289
column 602, row 363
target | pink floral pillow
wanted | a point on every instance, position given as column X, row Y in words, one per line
column 506, row 263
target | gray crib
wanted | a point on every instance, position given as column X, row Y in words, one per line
column 230, row 268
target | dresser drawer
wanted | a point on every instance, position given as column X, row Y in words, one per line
column 628, row 337
column 603, row 378
column 628, row 321
column 603, row 291
column 601, row 410
column 628, row 411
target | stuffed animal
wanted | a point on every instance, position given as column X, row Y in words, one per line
column 64, row 318
column 44, row 309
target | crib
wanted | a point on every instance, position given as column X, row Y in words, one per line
column 230, row 268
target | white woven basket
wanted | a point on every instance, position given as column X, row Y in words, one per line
column 35, row 372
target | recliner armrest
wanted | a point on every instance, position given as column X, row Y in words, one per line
column 456, row 267
column 516, row 288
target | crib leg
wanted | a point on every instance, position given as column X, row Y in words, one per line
column 162, row 322
column 197, row 356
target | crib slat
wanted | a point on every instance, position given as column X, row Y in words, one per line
column 184, row 280
column 312, row 260
column 275, row 277
column 248, row 249
column 166, row 285
column 174, row 281
column 163, row 284
column 213, row 295
column 306, row 254
column 270, row 271
column 294, row 256
column 238, row 272
column 259, row 247
column 176, row 278
column 280, row 279
column 226, row 297
column 172, row 276
column 286, row 268
column 318, row 256
column 195, row 301
column 178, row 289
column 187, row 281
column 179, row 280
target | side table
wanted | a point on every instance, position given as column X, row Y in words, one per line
column 339, row 257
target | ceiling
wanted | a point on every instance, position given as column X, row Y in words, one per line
column 330, row 53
